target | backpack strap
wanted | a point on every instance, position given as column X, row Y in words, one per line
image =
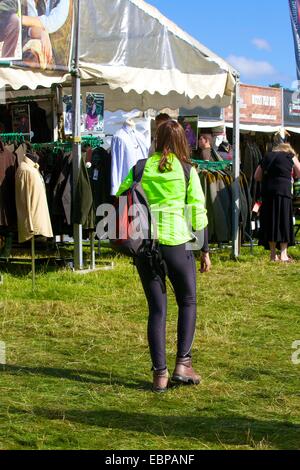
column 138, row 170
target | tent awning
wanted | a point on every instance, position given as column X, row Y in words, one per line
column 256, row 128
column 127, row 46
column 294, row 130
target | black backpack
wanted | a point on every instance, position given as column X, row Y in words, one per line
column 136, row 232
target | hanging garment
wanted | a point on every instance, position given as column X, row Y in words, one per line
column 127, row 148
column 8, row 167
column 250, row 159
column 64, row 211
column 100, row 172
column 217, row 187
column 61, row 200
column 83, row 208
column 31, row 201
column 20, row 153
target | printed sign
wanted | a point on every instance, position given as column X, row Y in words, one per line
column 259, row 105
column 190, row 125
column 291, row 108
column 10, row 30
column 20, row 114
column 94, row 117
column 68, row 115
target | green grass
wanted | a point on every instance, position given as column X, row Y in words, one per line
column 78, row 370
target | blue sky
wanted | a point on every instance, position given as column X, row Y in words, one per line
column 255, row 36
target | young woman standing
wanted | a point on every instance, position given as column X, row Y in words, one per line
column 164, row 183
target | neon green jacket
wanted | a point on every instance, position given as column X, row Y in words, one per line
column 177, row 211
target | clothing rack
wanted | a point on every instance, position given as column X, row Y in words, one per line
column 212, row 166
column 13, row 136
column 92, row 141
column 66, row 146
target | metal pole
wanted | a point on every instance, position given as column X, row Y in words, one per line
column 236, row 171
column 55, row 115
column 282, row 114
column 76, row 151
column 92, row 251
column 33, row 263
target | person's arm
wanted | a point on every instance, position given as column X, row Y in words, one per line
column 57, row 17
column 196, row 201
column 258, row 176
column 205, row 258
column 296, row 167
column 38, row 33
column 32, row 22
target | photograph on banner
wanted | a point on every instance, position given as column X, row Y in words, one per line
column 190, row 125
column 68, row 112
column 10, row 30
column 94, row 118
column 47, row 30
column 20, row 114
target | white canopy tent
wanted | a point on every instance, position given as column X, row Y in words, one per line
column 139, row 60
column 129, row 46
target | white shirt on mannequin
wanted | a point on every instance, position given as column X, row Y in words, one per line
column 128, row 146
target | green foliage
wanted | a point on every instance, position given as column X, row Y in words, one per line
column 78, row 370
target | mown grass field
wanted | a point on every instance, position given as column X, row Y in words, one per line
column 78, row 372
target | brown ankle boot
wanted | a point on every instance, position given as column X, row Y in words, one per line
column 160, row 381
column 184, row 372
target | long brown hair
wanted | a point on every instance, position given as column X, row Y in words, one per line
column 171, row 138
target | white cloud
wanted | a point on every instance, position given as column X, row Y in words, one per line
column 250, row 68
column 261, row 44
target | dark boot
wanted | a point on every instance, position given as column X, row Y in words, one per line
column 160, row 381
column 184, row 372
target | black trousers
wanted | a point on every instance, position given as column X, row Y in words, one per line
column 182, row 274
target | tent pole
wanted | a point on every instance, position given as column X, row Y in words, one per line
column 236, row 171
column 76, row 150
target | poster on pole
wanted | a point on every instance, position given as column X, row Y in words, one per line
column 190, row 125
column 46, row 33
column 68, row 114
column 10, row 30
column 20, row 114
column 94, row 117
column 295, row 20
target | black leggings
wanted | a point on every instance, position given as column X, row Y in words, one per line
column 182, row 273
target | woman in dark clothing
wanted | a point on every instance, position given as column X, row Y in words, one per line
column 276, row 217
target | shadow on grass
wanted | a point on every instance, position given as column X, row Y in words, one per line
column 83, row 376
column 222, row 429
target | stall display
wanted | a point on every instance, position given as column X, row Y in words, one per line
column 187, row 75
column 216, row 180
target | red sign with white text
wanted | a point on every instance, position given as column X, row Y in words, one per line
column 259, row 105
